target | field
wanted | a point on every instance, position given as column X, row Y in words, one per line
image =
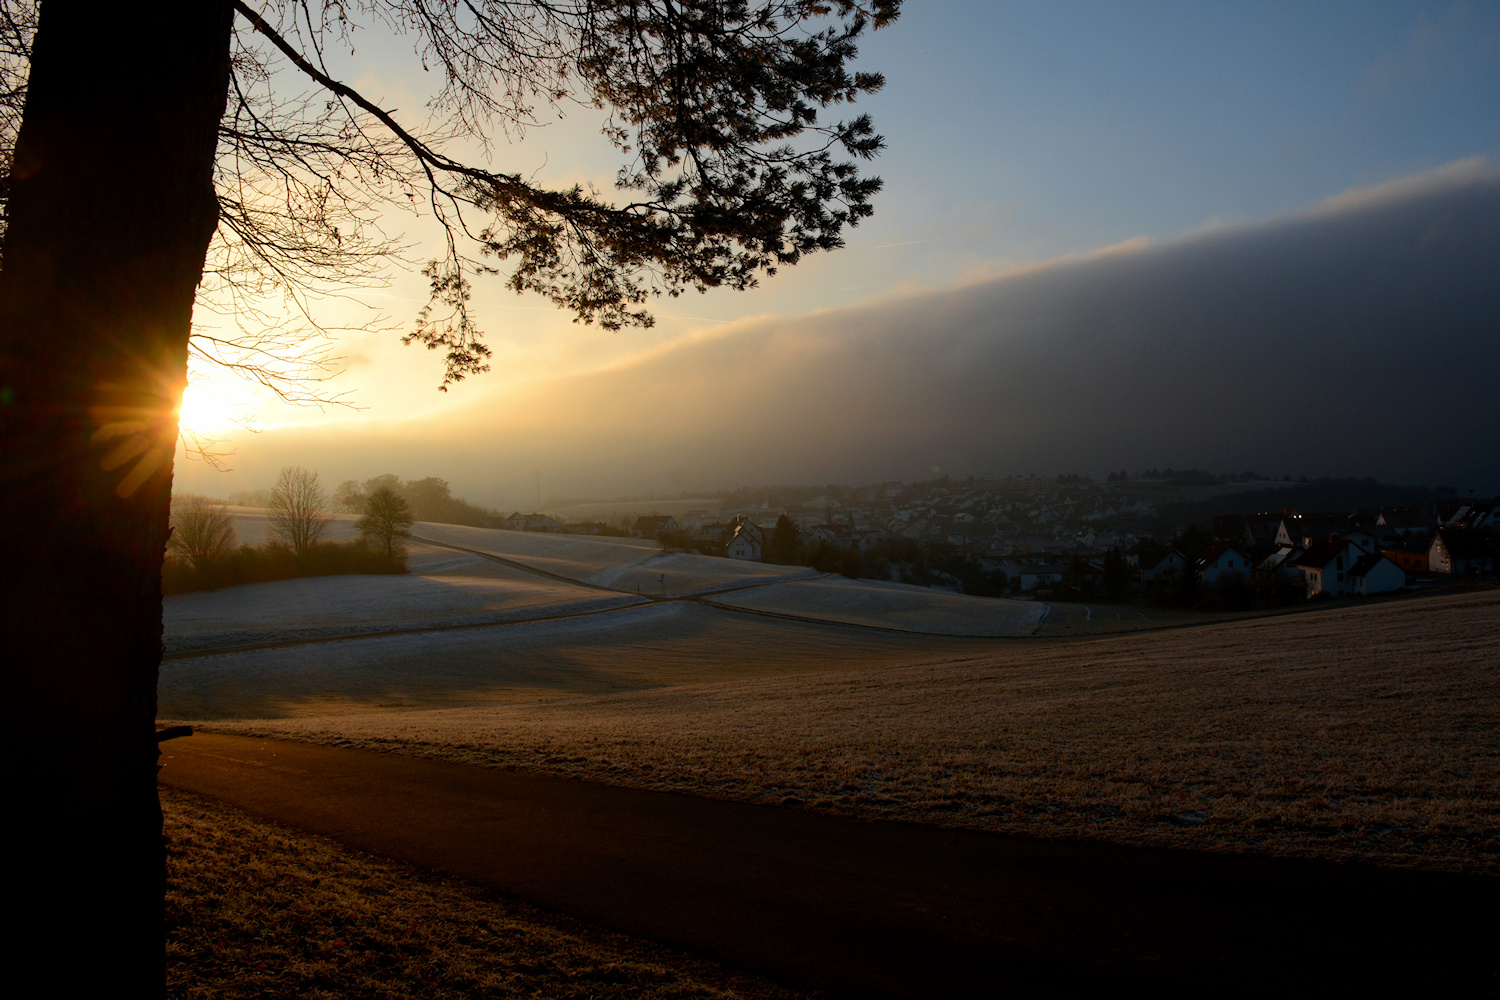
column 257, row 910
column 631, row 565
column 1352, row 732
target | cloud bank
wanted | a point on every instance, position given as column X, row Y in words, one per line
column 1360, row 337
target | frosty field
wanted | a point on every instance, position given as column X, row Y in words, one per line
column 632, row 565
column 1365, row 732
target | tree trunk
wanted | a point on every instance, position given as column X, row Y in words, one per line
column 112, row 207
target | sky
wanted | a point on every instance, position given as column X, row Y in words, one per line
column 1224, row 222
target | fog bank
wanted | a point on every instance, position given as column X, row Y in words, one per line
column 1355, row 338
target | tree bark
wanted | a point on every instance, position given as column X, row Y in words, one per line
column 112, row 207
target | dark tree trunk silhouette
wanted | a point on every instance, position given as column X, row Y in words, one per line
column 111, row 209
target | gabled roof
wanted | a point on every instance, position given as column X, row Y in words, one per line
column 1151, row 558
column 741, row 532
column 1217, row 549
column 1367, row 563
column 1408, row 517
column 1287, row 555
column 1321, row 553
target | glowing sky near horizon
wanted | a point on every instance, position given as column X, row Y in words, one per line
column 1016, row 135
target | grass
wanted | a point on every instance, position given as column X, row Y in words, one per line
column 257, row 910
column 1368, row 733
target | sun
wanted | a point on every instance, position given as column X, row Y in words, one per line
column 202, row 412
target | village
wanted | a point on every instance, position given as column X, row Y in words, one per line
column 1070, row 536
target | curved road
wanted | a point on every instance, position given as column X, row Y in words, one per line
column 875, row 909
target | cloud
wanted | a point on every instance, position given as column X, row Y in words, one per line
column 1361, row 337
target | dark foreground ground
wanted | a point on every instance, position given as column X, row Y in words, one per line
column 874, row 909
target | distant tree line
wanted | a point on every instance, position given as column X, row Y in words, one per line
column 204, row 552
column 429, row 499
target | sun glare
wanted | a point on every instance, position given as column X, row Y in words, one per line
column 202, row 412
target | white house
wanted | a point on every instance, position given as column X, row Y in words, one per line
column 1375, row 574
column 1459, row 551
column 743, row 523
column 1282, row 562
column 743, row 545
column 1368, row 541
column 1221, row 560
column 654, row 525
column 1326, row 566
column 1158, row 566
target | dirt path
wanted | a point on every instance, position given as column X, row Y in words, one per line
column 872, row 909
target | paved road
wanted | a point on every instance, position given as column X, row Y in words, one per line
column 874, row 909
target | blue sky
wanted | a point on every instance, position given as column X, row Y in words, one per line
column 1017, row 134
column 1078, row 125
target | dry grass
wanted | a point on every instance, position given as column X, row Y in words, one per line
column 257, row 910
column 1358, row 733
column 891, row 605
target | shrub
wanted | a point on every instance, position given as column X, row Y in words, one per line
column 202, row 531
column 262, row 564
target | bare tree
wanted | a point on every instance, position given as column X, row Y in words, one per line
column 202, row 530
column 349, row 497
column 298, row 514
column 209, row 144
column 387, row 517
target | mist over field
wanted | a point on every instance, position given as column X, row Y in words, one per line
column 1357, row 338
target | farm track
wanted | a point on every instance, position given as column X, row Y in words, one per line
column 874, row 909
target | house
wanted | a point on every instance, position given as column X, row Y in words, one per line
column 1417, row 520
column 1408, row 552
column 1368, row 541
column 1484, row 515
column 743, row 523
column 1160, row 565
column 1304, row 529
column 1461, row 551
column 529, row 522
column 1469, row 513
column 1221, row 560
column 1155, row 565
column 1287, row 533
column 1375, row 574
column 1254, row 531
column 744, row 544
column 1281, row 563
column 1033, row 577
column 1326, row 565
column 833, row 535
column 654, row 526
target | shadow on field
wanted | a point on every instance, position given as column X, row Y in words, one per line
column 632, row 648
